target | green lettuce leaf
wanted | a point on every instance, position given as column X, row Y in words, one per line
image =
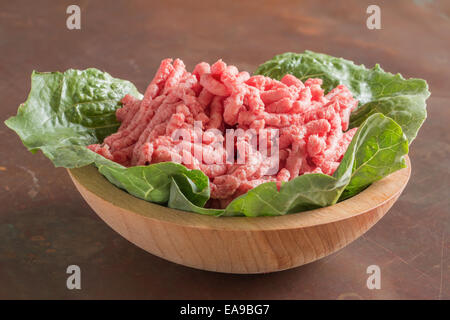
column 380, row 147
column 67, row 111
column 179, row 199
column 377, row 91
column 152, row 183
column 407, row 110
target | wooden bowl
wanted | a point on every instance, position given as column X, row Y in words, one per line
column 238, row 244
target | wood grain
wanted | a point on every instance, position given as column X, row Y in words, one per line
column 238, row 244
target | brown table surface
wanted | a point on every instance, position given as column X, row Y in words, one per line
column 45, row 225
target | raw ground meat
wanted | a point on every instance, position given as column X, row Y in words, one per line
column 312, row 127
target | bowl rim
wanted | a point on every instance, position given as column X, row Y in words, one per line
column 89, row 179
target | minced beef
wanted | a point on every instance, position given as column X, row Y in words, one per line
column 312, row 127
